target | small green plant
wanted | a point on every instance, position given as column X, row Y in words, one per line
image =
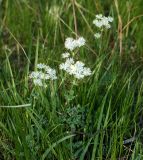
column 74, row 117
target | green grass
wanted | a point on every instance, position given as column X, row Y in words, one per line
column 101, row 116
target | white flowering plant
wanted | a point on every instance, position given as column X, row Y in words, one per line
column 74, row 68
column 42, row 74
column 102, row 23
column 70, row 66
column 71, row 43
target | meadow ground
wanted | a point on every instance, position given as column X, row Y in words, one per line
column 97, row 117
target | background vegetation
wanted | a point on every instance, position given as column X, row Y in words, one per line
column 99, row 118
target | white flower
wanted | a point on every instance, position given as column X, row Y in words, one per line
column 80, row 42
column 71, row 43
column 41, row 66
column 79, row 71
column 47, row 68
column 42, row 75
column 110, row 19
column 87, row 71
column 39, row 77
column 99, row 16
column 65, row 55
column 105, row 21
column 66, row 66
column 97, row 23
column 108, row 26
column 102, row 21
column 38, row 82
column 51, row 73
column 35, row 74
column 76, row 69
column 97, row 35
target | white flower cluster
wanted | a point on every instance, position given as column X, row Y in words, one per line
column 97, row 35
column 102, row 21
column 71, row 43
column 65, row 55
column 44, row 73
column 77, row 69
